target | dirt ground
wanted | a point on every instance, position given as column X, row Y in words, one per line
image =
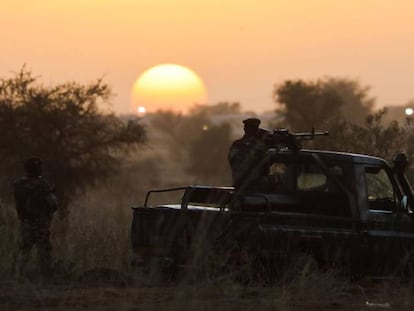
column 319, row 293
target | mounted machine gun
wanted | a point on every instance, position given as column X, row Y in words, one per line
column 283, row 139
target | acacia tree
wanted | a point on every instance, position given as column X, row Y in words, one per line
column 307, row 104
column 357, row 104
column 373, row 137
column 62, row 124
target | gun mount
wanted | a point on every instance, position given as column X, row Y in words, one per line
column 282, row 138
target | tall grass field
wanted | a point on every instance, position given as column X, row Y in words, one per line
column 91, row 270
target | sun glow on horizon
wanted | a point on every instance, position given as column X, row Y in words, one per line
column 167, row 87
column 141, row 110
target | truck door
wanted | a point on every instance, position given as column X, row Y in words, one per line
column 405, row 242
column 310, row 214
column 383, row 229
column 405, row 226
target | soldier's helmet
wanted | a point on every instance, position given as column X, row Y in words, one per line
column 251, row 126
column 33, row 166
column 252, row 122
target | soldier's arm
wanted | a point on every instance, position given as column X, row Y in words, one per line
column 52, row 198
column 19, row 199
column 52, row 201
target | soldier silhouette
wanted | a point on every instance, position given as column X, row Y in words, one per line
column 35, row 203
column 245, row 156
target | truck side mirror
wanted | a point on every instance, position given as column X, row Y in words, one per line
column 404, row 203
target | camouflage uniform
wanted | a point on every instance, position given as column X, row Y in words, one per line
column 245, row 157
column 35, row 205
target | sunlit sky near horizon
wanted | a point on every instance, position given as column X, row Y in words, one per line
column 240, row 49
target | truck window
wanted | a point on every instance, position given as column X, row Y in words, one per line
column 306, row 176
column 312, row 188
column 312, row 178
column 380, row 191
column 282, row 176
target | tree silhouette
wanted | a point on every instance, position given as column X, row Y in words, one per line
column 305, row 105
column 221, row 108
column 62, row 124
column 357, row 104
column 196, row 143
column 373, row 137
column 208, row 155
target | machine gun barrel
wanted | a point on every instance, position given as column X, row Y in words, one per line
column 310, row 135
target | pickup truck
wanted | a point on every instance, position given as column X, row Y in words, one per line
column 345, row 210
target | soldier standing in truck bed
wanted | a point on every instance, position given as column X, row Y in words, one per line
column 245, row 156
column 35, row 204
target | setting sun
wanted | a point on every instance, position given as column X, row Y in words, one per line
column 167, row 87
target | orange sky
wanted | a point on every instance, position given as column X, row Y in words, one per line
column 240, row 48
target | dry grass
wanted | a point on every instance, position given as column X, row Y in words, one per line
column 92, row 271
column 315, row 292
